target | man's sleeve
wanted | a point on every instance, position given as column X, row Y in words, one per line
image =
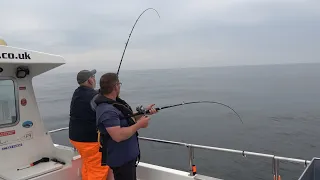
column 110, row 118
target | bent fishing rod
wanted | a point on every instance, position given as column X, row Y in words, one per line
column 130, row 36
column 142, row 111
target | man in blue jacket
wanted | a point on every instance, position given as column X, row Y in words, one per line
column 82, row 128
column 119, row 133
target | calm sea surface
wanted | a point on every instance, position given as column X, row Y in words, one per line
column 279, row 105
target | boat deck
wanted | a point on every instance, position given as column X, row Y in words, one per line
column 147, row 171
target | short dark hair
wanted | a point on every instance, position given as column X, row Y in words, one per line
column 107, row 82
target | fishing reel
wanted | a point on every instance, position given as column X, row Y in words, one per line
column 141, row 110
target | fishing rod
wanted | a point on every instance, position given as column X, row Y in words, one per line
column 130, row 36
column 141, row 110
column 42, row 160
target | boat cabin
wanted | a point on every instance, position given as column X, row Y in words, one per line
column 23, row 137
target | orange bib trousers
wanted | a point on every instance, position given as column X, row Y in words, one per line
column 91, row 161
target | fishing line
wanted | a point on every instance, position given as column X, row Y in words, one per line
column 141, row 110
column 130, row 36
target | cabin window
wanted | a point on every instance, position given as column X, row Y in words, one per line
column 8, row 110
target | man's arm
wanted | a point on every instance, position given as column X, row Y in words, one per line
column 111, row 121
column 119, row 134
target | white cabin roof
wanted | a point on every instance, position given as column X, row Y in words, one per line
column 38, row 62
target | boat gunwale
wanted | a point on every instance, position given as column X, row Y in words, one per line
column 191, row 147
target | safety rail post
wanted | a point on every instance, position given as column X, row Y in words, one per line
column 193, row 169
column 275, row 169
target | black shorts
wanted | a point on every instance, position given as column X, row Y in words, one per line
column 126, row 171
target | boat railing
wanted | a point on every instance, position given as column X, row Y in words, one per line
column 192, row 170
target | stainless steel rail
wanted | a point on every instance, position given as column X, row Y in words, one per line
column 191, row 147
column 57, row 130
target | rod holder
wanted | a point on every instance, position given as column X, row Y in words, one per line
column 275, row 169
column 192, row 167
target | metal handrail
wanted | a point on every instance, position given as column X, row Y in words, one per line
column 244, row 153
column 191, row 147
column 57, row 130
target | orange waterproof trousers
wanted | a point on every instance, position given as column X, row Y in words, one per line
column 91, row 161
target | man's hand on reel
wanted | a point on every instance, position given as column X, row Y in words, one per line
column 151, row 109
column 143, row 111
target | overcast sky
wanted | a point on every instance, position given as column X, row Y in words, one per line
column 190, row 33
